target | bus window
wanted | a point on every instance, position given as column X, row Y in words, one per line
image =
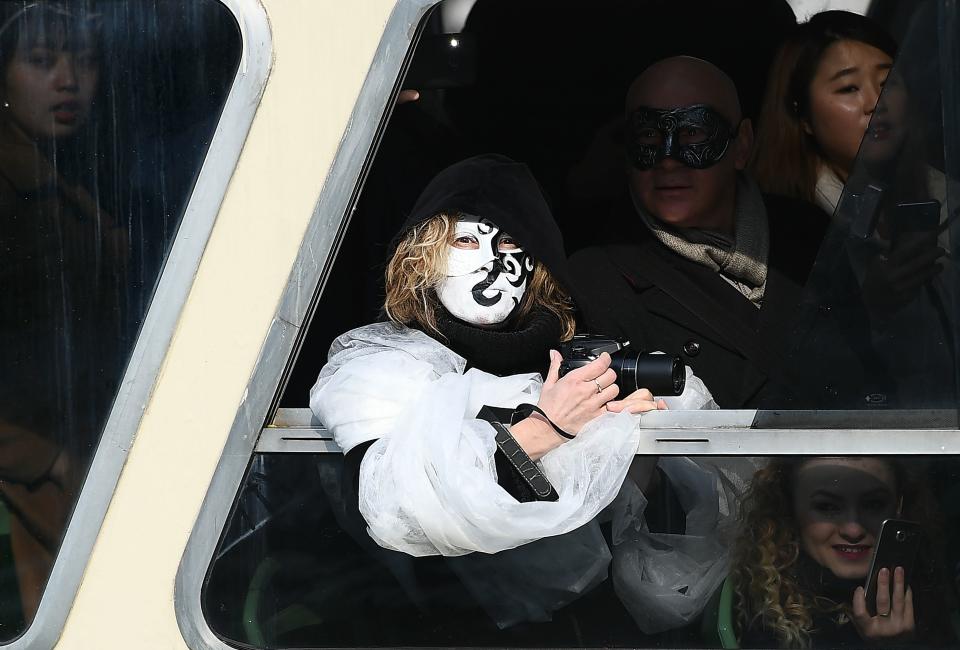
column 871, row 364
column 837, row 337
column 296, row 569
column 886, row 271
column 107, row 111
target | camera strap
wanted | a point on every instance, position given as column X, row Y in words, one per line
column 526, row 410
column 528, row 470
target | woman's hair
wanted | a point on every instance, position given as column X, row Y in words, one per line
column 65, row 25
column 767, row 590
column 419, row 264
column 786, row 158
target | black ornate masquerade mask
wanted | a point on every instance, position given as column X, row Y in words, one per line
column 697, row 136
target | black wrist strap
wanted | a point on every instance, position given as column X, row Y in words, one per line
column 521, row 462
column 526, row 410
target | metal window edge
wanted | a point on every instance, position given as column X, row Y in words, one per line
column 715, row 433
column 328, row 220
column 150, row 349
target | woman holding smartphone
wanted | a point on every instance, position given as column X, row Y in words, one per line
column 840, row 128
column 800, row 565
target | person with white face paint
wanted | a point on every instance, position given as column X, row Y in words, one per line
column 460, row 436
column 487, row 273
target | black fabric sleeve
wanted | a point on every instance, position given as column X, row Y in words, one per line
column 507, row 476
column 351, row 475
column 664, row 514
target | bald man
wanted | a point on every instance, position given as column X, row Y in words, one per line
column 706, row 267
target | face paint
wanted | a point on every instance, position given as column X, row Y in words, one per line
column 698, row 136
column 487, row 274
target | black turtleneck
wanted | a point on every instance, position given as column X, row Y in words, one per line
column 510, row 351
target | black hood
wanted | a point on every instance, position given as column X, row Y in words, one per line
column 505, row 192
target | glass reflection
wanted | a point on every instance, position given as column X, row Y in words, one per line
column 784, row 546
column 65, row 263
column 885, row 273
column 106, row 110
column 810, row 528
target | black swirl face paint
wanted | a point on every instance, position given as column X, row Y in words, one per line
column 698, row 136
column 487, row 273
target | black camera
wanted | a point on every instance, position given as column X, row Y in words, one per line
column 661, row 374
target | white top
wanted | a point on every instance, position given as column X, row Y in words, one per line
column 428, row 485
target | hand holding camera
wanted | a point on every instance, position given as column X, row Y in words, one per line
column 580, row 395
column 584, row 382
column 659, row 374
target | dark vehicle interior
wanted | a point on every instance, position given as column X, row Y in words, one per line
column 542, row 82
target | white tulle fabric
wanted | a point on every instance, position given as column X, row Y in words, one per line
column 428, row 486
column 666, row 580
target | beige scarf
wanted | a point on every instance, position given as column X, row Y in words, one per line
column 741, row 261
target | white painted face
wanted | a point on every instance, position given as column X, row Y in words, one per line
column 487, row 273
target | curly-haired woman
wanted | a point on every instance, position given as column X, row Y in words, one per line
column 800, row 563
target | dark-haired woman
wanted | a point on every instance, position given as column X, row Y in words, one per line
column 821, row 94
column 821, row 114
column 61, row 262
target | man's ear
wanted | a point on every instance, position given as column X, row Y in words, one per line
column 743, row 144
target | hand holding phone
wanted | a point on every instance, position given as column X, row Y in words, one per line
column 883, row 609
column 914, row 224
column 897, row 546
column 893, row 616
column 893, row 280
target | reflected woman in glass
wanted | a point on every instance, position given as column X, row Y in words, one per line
column 821, row 94
column 826, row 135
column 61, row 270
column 809, row 530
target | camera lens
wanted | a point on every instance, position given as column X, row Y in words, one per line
column 901, row 536
column 661, row 374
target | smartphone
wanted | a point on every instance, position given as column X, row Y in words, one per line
column 443, row 61
column 863, row 210
column 896, row 546
column 908, row 219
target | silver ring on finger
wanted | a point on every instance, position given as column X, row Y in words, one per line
column 599, row 388
column 884, row 614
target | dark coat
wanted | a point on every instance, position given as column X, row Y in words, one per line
column 645, row 292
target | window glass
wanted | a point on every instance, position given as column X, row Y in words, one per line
column 505, row 85
column 298, row 565
column 837, row 328
column 296, row 569
column 877, row 327
column 106, row 112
